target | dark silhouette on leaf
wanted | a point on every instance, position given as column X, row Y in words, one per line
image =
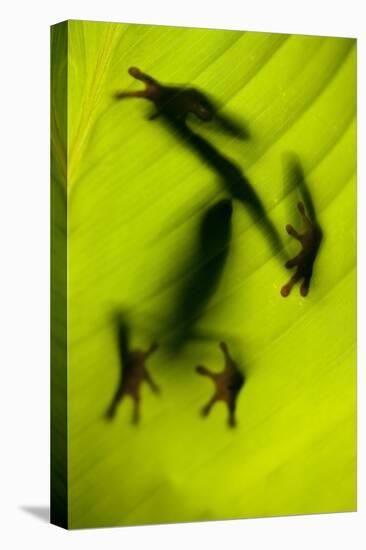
column 173, row 104
column 228, row 384
column 202, row 273
column 311, row 237
column 233, row 180
column 133, row 371
column 177, row 102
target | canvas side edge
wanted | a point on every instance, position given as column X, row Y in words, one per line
column 58, row 194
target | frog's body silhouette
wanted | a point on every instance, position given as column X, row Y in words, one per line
column 228, row 384
column 205, row 269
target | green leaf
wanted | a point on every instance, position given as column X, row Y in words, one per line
column 136, row 196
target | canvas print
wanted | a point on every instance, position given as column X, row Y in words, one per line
column 203, row 291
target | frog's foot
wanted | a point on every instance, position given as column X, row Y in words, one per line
column 310, row 241
column 228, row 384
column 152, row 87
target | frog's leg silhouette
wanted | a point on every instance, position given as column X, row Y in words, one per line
column 134, row 373
column 310, row 241
column 228, row 384
column 173, row 101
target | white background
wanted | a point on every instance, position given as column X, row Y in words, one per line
column 24, row 272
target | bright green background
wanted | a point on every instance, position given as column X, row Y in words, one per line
column 135, row 199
